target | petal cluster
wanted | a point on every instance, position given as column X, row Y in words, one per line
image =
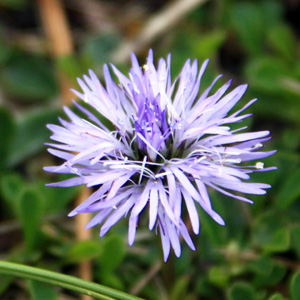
column 164, row 144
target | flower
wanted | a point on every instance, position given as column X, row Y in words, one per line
column 168, row 144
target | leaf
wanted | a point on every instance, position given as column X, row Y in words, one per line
column 280, row 241
column 219, row 276
column 112, row 254
column 180, row 288
column 241, row 291
column 30, row 214
column 99, row 48
column 276, row 297
column 295, row 233
column 40, row 290
column 28, row 78
column 7, row 131
column 69, row 65
column 247, row 20
column 282, row 40
column 25, row 142
column 14, row 4
column 5, row 281
column 271, row 233
column 272, row 279
column 265, row 74
column 207, row 45
column 10, row 187
column 83, row 250
column 56, row 199
column 289, row 190
column 295, row 286
column 262, row 266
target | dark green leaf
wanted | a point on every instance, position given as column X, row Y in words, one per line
column 40, row 290
column 99, row 48
column 282, row 40
column 110, row 259
column 5, row 281
column 241, row 291
column 69, row 65
column 207, row 45
column 31, row 134
column 295, row 233
column 247, row 20
column 219, row 276
column 265, row 74
column 30, row 213
column 276, row 297
column 29, row 78
column 270, row 233
column 7, row 131
column 289, row 190
column 295, row 286
column 10, row 187
column 84, row 250
column 14, row 4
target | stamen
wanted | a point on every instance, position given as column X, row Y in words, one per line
column 142, row 169
column 259, row 165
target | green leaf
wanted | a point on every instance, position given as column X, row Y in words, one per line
column 7, row 131
column 270, row 233
column 83, row 250
column 69, row 65
column 295, row 234
column 180, row 288
column 4, row 49
column 110, row 259
column 219, row 276
column 25, row 142
column 5, row 281
column 30, row 215
column 295, row 286
column 280, row 241
column 207, row 45
column 247, row 20
column 272, row 279
column 241, row 291
column 14, row 4
column 265, row 74
column 10, row 187
column 99, row 48
column 282, row 40
column 289, row 190
column 276, row 297
column 28, row 78
column 262, row 266
column 40, row 290
column 56, row 199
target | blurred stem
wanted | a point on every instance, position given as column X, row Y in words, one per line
column 65, row 281
column 158, row 24
column 85, row 267
column 59, row 39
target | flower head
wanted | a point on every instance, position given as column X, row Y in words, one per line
column 169, row 143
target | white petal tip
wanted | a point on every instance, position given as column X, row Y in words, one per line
column 73, row 213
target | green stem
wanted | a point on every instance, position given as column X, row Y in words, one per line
column 65, row 281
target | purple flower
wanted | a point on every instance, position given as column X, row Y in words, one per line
column 169, row 143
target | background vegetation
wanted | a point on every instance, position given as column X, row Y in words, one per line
column 256, row 255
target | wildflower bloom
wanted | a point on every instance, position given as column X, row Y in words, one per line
column 168, row 145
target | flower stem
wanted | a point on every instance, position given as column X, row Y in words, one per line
column 65, row 281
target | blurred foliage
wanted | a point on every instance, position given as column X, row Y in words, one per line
column 256, row 255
